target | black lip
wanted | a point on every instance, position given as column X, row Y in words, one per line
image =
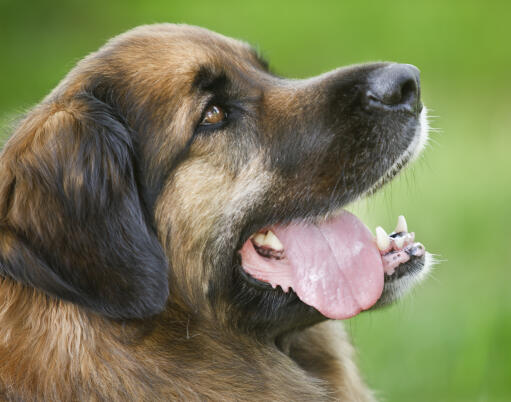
column 412, row 266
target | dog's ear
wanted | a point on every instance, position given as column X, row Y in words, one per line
column 72, row 222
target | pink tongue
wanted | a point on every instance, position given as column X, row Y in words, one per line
column 334, row 267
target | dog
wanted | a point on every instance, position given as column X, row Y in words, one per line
column 172, row 224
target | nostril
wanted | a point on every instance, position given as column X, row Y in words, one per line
column 395, row 86
column 408, row 92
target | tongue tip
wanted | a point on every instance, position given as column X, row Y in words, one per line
column 342, row 315
column 349, row 309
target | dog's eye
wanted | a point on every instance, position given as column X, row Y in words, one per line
column 213, row 115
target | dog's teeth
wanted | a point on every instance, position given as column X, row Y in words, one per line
column 399, row 242
column 382, row 239
column 401, row 224
column 259, row 239
column 273, row 241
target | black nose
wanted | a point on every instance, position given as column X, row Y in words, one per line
column 395, row 86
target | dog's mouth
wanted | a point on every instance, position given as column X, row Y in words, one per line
column 336, row 266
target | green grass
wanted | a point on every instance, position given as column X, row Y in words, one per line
column 450, row 340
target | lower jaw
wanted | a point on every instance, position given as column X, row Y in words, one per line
column 404, row 279
column 270, row 312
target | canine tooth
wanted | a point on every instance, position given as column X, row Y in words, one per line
column 382, row 239
column 399, row 242
column 273, row 241
column 401, row 224
column 259, row 239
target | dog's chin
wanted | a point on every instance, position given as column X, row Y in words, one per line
column 396, row 281
column 404, row 279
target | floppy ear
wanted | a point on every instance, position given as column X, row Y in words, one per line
column 72, row 223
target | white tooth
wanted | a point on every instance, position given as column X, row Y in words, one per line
column 401, row 224
column 273, row 241
column 259, row 239
column 399, row 242
column 382, row 239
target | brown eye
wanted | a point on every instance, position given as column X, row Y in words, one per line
column 214, row 115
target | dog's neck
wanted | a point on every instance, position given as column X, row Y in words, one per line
column 59, row 351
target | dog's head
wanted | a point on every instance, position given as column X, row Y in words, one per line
column 172, row 166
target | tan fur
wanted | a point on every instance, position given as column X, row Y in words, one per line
column 197, row 185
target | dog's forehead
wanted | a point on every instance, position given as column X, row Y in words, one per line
column 184, row 49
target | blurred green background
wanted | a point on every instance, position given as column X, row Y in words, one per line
column 451, row 340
